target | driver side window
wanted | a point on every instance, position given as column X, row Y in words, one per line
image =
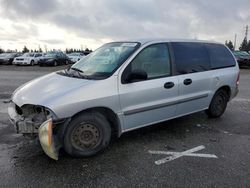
column 154, row 60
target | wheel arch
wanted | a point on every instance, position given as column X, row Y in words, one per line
column 111, row 116
column 225, row 88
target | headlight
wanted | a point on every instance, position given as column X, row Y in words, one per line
column 47, row 142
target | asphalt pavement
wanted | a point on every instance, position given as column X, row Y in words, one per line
column 202, row 152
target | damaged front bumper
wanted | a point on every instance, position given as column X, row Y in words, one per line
column 21, row 125
column 44, row 130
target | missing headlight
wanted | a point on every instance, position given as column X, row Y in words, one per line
column 18, row 110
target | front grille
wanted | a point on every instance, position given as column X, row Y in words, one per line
column 19, row 59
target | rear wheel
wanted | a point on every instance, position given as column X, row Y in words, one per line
column 87, row 134
column 218, row 104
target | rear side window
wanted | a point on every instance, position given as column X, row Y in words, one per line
column 190, row 57
column 220, row 56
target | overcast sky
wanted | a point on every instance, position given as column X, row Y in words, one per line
column 62, row 23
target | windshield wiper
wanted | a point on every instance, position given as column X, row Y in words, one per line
column 79, row 71
column 76, row 69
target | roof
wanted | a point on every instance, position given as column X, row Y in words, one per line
column 149, row 40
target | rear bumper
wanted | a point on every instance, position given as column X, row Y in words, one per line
column 234, row 92
column 244, row 63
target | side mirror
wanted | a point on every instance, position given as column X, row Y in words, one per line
column 137, row 75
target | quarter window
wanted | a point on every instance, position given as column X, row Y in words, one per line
column 220, row 56
column 154, row 60
column 190, row 57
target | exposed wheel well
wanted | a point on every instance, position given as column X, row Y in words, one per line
column 227, row 89
column 109, row 114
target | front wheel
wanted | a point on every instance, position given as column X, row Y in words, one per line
column 218, row 104
column 87, row 134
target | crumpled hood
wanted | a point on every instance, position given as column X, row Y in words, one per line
column 44, row 90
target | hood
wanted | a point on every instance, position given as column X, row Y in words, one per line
column 23, row 57
column 44, row 90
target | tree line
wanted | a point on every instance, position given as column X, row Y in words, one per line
column 244, row 46
column 67, row 51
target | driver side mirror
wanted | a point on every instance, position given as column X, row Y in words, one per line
column 137, row 75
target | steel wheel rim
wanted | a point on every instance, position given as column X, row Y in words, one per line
column 85, row 136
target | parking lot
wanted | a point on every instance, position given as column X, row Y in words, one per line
column 133, row 159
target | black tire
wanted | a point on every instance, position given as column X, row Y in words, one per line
column 66, row 62
column 86, row 135
column 32, row 63
column 218, row 104
column 55, row 63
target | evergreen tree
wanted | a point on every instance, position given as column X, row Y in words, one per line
column 25, row 49
column 229, row 44
column 248, row 46
column 244, row 44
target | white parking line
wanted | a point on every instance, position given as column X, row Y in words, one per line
column 175, row 155
column 240, row 100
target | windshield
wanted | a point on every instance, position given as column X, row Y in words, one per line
column 106, row 59
column 240, row 53
column 9, row 55
column 244, row 53
column 28, row 55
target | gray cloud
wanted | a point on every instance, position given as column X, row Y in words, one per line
column 53, row 41
column 130, row 19
column 27, row 8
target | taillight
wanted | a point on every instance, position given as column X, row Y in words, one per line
column 238, row 79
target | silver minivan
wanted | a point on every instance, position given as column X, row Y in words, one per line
column 123, row 86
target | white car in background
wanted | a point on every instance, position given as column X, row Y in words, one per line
column 76, row 56
column 28, row 59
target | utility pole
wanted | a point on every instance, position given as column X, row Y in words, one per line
column 235, row 38
column 246, row 32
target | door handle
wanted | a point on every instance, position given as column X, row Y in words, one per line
column 169, row 85
column 187, row 81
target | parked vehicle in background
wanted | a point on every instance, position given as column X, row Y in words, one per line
column 7, row 58
column 54, row 59
column 123, row 86
column 242, row 57
column 27, row 59
column 76, row 56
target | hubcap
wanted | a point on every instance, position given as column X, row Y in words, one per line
column 85, row 136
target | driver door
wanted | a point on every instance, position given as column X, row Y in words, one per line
column 154, row 99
